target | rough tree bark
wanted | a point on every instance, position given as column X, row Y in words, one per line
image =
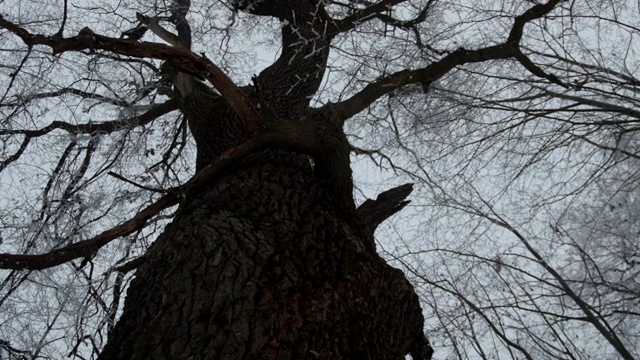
column 272, row 261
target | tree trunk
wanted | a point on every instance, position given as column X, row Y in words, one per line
column 263, row 265
column 272, row 261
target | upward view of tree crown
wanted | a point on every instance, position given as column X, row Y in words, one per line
column 204, row 179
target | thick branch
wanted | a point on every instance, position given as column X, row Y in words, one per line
column 366, row 14
column 434, row 71
column 374, row 212
column 309, row 138
column 181, row 58
column 424, row 76
column 103, row 127
column 179, row 9
column 276, row 8
column 21, row 100
column 16, row 155
column 535, row 70
column 290, row 82
column 535, row 12
column 86, row 248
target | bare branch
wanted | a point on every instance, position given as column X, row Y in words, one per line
column 101, row 127
column 405, row 24
column 424, row 76
column 434, row 71
column 387, row 203
column 120, row 177
column 536, row 12
column 86, row 248
column 311, row 140
column 596, row 104
column 21, row 101
column 366, row 14
column 595, row 320
column 16, row 155
column 181, row 58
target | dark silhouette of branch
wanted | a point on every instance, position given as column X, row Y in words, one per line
column 406, row 24
column 436, row 70
column 86, row 248
column 181, row 58
column 374, row 212
column 303, row 137
column 16, row 155
column 120, row 177
column 425, row 76
column 21, row 101
column 100, row 127
column 368, row 13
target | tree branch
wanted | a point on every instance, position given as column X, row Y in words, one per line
column 86, row 248
column 595, row 103
column 309, row 138
column 535, row 70
column 405, row 24
column 536, row 12
column 425, row 76
column 103, row 127
column 21, row 100
column 365, row 14
column 434, row 71
column 16, row 155
column 374, row 212
column 181, row 58
column 288, row 84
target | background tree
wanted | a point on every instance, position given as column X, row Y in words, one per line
column 516, row 120
column 530, row 166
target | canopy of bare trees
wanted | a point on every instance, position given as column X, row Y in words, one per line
column 515, row 121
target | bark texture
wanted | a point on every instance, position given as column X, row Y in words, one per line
column 264, row 266
column 272, row 261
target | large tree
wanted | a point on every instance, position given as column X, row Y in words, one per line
column 265, row 253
